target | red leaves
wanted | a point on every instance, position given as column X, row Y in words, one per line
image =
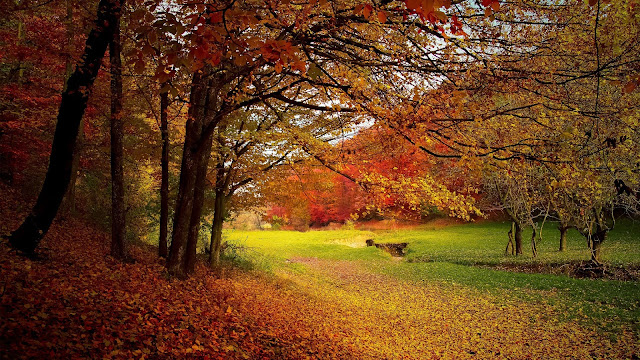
column 282, row 54
column 382, row 16
column 631, row 85
column 81, row 303
column 456, row 26
column 216, row 17
column 494, row 4
column 367, row 11
column 490, row 6
column 430, row 11
column 427, row 10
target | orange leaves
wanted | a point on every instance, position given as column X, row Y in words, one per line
column 367, row 11
column 631, row 85
column 429, row 9
column 493, row 4
column 490, row 6
column 282, row 54
column 382, row 16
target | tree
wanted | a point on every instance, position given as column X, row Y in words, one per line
column 118, row 212
column 74, row 100
column 198, row 110
column 247, row 147
column 317, row 62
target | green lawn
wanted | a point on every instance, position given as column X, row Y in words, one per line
column 447, row 256
column 485, row 244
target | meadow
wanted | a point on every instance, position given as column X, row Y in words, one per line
column 469, row 257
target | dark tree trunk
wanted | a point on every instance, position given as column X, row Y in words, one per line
column 563, row 237
column 198, row 201
column 518, row 238
column 69, row 201
column 164, row 184
column 510, row 244
column 595, row 244
column 74, row 102
column 204, row 113
column 118, row 226
column 218, row 218
column 534, row 246
column 184, row 205
column 188, row 175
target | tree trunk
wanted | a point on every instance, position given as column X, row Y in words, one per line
column 164, row 184
column 510, row 244
column 203, row 114
column 69, row 202
column 188, row 175
column 184, row 205
column 534, row 246
column 218, row 219
column 563, row 237
column 74, row 102
column 118, row 226
column 518, row 238
column 198, row 202
column 595, row 245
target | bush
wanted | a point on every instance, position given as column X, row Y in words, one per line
column 349, row 225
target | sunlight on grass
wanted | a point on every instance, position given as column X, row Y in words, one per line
column 444, row 256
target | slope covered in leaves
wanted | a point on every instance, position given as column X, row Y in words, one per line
column 77, row 302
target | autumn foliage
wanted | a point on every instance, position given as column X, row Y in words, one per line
column 78, row 302
column 312, row 113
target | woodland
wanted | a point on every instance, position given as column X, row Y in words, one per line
column 198, row 179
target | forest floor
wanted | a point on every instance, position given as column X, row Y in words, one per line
column 76, row 302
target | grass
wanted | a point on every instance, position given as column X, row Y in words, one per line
column 273, row 249
column 447, row 256
column 485, row 244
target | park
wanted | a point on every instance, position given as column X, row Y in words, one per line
column 312, row 179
